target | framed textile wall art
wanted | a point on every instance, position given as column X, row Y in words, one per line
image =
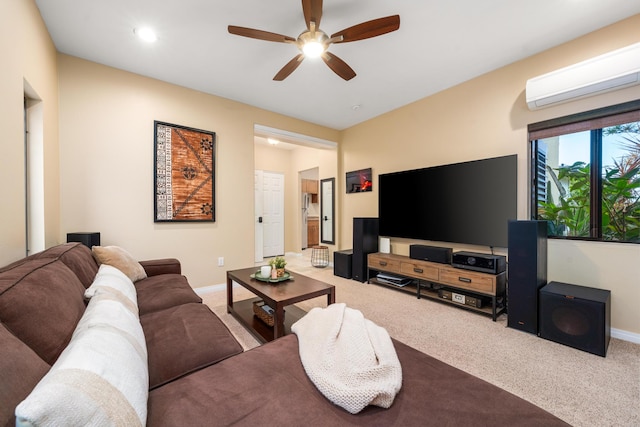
column 184, row 180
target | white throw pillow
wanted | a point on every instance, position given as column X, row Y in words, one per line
column 113, row 280
column 120, row 259
column 101, row 378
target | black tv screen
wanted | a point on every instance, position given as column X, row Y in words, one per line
column 468, row 202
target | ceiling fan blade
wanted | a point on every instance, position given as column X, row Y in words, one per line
column 289, row 68
column 312, row 10
column 338, row 66
column 259, row 34
column 368, row 29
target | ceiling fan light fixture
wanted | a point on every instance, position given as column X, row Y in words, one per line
column 313, row 42
column 313, row 49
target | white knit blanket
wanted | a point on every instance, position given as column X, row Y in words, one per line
column 350, row 359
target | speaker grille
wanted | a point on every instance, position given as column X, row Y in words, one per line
column 570, row 321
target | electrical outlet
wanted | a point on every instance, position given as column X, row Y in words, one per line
column 220, row 261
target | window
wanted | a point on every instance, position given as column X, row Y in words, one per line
column 586, row 174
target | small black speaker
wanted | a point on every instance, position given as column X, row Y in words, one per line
column 342, row 263
column 87, row 239
column 431, row 253
column 576, row 316
column 527, row 273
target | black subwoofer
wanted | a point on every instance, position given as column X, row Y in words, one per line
column 342, row 263
column 577, row 316
column 87, row 239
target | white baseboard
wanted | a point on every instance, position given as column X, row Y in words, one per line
column 212, row 288
column 615, row 333
column 625, row 336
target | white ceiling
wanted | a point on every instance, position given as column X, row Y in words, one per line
column 439, row 44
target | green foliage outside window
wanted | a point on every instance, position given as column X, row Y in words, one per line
column 569, row 216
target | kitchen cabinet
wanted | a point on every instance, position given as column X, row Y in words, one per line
column 313, row 232
column 310, row 186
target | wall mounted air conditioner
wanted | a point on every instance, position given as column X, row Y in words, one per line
column 611, row 71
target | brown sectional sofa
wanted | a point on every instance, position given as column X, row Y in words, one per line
column 42, row 300
column 198, row 374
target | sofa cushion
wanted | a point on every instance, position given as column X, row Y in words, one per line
column 183, row 339
column 120, row 259
column 101, row 378
column 113, row 280
column 77, row 257
column 164, row 291
column 20, row 371
column 269, row 383
column 41, row 301
column 154, row 267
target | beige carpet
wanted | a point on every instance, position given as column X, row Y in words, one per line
column 578, row 387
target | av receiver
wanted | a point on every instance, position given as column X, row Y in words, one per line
column 485, row 263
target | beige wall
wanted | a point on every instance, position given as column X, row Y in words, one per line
column 100, row 175
column 106, row 157
column 28, row 60
column 487, row 117
column 290, row 163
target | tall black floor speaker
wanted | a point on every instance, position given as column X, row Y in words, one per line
column 365, row 241
column 576, row 316
column 527, row 273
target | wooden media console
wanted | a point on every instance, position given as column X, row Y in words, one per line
column 443, row 282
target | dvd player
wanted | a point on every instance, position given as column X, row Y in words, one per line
column 390, row 279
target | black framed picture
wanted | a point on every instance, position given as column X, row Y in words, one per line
column 184, row 180
column 359, row 181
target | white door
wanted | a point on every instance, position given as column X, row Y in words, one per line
column 269, row 195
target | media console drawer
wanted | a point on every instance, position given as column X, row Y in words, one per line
column 384, row 262
column 419, row 270
column 468, row 280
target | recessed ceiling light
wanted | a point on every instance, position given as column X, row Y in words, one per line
column 146, row 34
column 355, row 107
column 273, row 141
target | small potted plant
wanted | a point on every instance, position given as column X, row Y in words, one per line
column 278, row 264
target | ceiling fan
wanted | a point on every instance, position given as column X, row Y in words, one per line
column 314, row 42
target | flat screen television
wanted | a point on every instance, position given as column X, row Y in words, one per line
column 468, row 202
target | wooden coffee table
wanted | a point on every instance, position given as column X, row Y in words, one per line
column 277, row 296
